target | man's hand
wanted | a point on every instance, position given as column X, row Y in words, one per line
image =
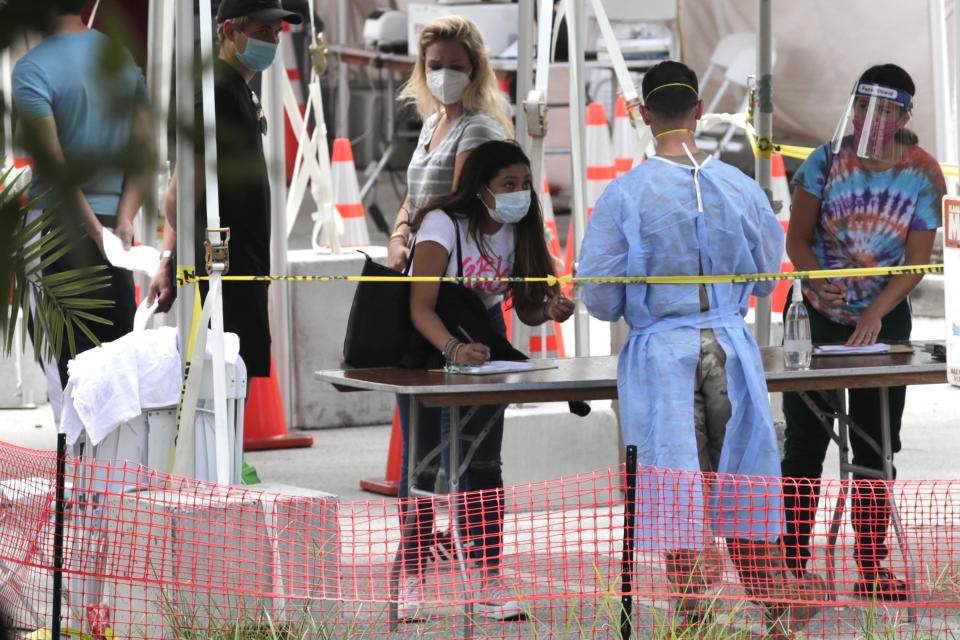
column 124, row 231
column 162, row 286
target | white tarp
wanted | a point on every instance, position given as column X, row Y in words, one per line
column 822, row 46
column 951, row 290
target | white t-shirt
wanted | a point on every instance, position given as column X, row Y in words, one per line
column 500, row 246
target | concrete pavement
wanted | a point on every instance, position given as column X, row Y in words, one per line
column 339, row 457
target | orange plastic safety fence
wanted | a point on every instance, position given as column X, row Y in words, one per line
column 147, row 555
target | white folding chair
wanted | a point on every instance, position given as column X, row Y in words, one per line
column 722, row 57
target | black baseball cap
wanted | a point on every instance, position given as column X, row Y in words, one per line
column 256, row 9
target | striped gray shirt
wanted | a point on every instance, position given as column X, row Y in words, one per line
column 430, row 173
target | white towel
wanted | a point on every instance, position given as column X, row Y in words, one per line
column 115, row 382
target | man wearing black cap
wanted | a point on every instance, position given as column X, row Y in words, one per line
column 248, row 33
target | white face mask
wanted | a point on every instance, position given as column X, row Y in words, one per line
column 447, row 85
column 510, row 207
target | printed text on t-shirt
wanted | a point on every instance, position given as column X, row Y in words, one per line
column 478, row 267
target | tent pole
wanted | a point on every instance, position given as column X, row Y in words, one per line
column 578, row 204
column 185, row 200
column 763, row 120
column 525, row 71
column 946, row 148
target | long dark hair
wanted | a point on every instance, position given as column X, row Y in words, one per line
column 532, row 258
column 897, row 77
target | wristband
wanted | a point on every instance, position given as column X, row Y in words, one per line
column 446, row 349
column 397, row 234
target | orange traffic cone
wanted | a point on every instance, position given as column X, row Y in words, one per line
column 546, row 341
column 550, row 227
column 781, row 192
column 390, row 482
column 289, row 56
column 346, row 196
column 624, row 139
column 264, row 423
column 779, row 185
column 598, row 153
column 599, row 167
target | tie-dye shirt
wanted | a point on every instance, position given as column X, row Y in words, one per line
column 865, row 217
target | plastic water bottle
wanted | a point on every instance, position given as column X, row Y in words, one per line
column 797, row 347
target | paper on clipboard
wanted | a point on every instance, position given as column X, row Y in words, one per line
column 506, row 366
column 843, row 350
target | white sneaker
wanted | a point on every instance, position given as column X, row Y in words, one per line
column 499, row 600
column 410, row 598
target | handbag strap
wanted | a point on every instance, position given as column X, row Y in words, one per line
column 456, row 233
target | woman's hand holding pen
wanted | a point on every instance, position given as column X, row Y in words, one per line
column 471, row 353
column 832, row 292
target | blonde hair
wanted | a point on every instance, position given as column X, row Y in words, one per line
column 238, row 23
column 482, row 94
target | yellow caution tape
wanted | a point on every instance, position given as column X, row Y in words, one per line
column 194, row 329
column 762, row 147
column 188, row 274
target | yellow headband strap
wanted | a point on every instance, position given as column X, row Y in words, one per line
column 670, row 84
column 663, row 133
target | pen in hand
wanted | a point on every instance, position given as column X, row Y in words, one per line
column 486, row 355
column 465, row 334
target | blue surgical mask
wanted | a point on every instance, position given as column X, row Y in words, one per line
column 258, row 55
column 510, row 208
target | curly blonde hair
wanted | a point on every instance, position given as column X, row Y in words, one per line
column 482, row 94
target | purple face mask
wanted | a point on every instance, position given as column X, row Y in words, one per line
column 881, row 133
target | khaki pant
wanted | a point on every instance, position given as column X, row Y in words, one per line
column 759, row 564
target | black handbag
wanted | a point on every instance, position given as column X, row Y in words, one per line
column 464, row 315
column 379, row 327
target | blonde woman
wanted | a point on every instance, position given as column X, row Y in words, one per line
column 456, row 94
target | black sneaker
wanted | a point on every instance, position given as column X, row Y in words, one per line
column 881, row 585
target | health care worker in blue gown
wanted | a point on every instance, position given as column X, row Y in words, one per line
column 690, row 381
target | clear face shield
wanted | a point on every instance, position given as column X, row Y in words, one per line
column 873, row 116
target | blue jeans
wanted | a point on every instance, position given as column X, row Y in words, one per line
column 482, row 482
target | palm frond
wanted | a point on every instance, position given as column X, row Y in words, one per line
column 61, row 303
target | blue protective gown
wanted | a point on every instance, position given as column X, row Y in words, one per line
column 665, row 218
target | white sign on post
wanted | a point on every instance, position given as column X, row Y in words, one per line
column 951, row 285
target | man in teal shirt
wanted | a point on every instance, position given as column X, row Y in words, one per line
column 85, row 119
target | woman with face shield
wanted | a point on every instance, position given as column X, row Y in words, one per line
column 871, row 197
column 490, row 226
